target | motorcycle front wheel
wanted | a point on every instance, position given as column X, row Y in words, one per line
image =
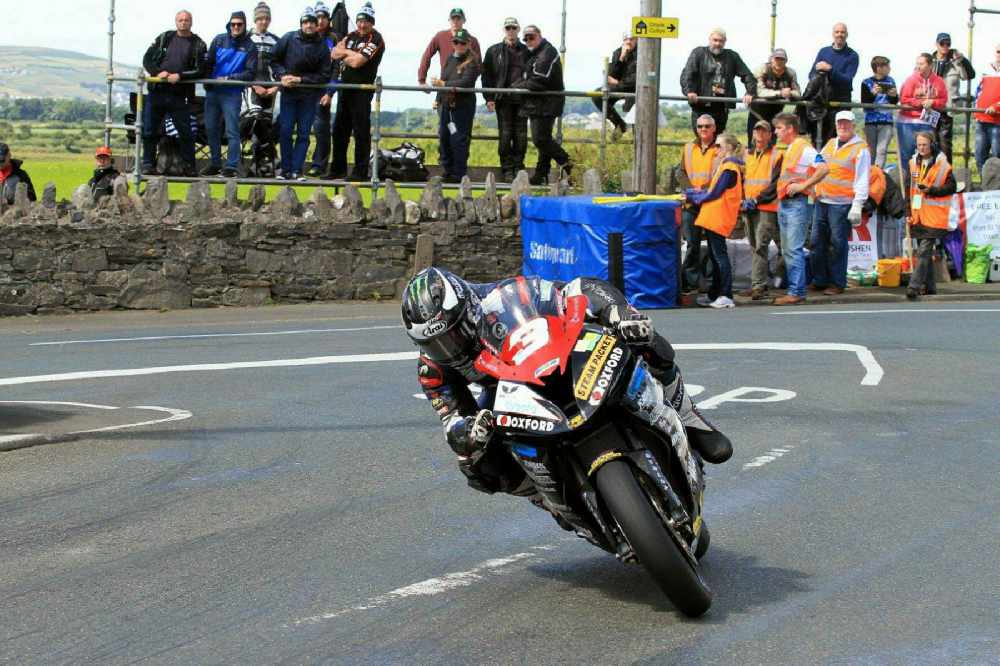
column 651, row 539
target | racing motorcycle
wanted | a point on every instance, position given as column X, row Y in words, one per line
column 589, row 424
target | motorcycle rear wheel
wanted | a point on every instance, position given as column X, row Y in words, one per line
column 651, row 539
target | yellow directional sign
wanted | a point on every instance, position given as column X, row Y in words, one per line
column 655, row 27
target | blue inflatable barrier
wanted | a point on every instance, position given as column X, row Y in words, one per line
column 567, row 237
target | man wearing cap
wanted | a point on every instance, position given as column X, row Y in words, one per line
column 954, row 68
column 760, row 203
column 265, row 42
column 502, row 66
column 457, row 109
column 323, row 122
column 175, row 57
column 710, row 72
column 839, row 63
column 231, row 56
column 441, row 44
column 358, row 55
column 621, row 78
column 102, row 183
column 841, row 196
column 775, row 81
column 543, row 72
column 11, row 174
column 300, row 58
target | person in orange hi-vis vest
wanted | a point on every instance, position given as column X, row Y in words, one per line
column 718, row 215
column 760, row 205
column 699, row 159
column 932, row 185
column 842, row 195
column 801, row 168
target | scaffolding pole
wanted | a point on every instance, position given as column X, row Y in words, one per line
column 111, row 75
column 774, row 24
column 562, row 63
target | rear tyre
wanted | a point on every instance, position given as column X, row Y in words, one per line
column 651, row 540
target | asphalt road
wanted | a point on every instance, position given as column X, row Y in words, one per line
column 312, row 513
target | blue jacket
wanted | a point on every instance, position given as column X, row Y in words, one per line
column 845, row 66
column 307, row 57
column 233, row 58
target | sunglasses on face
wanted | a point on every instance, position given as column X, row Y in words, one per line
column 530, row 37
column 510, row 27
column 705, row 126
column 236, row 25
column 455, row 42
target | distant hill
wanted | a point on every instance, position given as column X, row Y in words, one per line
column 31, row 71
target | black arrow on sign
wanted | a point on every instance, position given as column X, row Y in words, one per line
column 671, row 28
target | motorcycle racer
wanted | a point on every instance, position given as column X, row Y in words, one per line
column 443, row 316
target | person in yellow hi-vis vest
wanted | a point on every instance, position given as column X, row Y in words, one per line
column 932, row 185
column 698, row 163
column 760, row 204
column 719, row 211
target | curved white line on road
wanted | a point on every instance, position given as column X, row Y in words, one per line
column 53, row 402
column 149, row 338
column 873, row 371
column 172, row 415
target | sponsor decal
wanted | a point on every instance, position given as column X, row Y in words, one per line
column 576, row 421
column 546, row 367
column 524, row 423
column 604, row 379
column 587, row 342
column 552, row 254
column 435, row 327
column 588, row 377
column 520, row 399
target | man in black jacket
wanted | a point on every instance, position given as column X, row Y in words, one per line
column 502, row 66
column 457, row 110
column 176, row 56
column 621, row 78
column 102, row 183
column 301, row 57
column 11, row 174
column 543, row 72
column 710, row 72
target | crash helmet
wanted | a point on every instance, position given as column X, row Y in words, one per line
column 441, row 314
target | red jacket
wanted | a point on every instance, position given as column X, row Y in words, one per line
column 989, row 96
column 441, row 44
column 916, row 89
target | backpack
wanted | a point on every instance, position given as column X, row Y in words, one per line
column 403, row 164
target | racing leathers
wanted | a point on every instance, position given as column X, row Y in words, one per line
column 468, row 426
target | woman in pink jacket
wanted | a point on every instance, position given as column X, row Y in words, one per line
column 928, row 93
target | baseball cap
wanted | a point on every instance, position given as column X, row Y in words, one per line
column 103, row 150
column 943, row 37
column 461, row 36
column 779, row 53
column 511, row 22
column 844, row 115
column 457, row 11
column 4, row 151
column 762, row 124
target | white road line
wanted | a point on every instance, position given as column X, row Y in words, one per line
column 173, row 415
column 785, row 313
column 769, row 457
column 432, row 586
column 873, row 371
column 304, row 331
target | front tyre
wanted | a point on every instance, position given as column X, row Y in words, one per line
column 650, row 539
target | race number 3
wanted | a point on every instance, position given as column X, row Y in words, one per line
column 531, row 337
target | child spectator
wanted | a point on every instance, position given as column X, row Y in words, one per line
column 102, row 183
column 879, row 89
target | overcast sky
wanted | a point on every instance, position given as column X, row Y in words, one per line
column 898, row 29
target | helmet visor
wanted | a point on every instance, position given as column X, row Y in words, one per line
column 455, row 344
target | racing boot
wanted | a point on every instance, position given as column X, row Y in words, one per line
column 704, row 437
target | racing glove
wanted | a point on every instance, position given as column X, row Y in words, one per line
column 854, row 215
column 479, row 429
column 636, row 329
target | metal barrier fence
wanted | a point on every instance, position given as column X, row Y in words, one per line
column 378, row 88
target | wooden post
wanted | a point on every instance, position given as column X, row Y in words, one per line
column 647, row 104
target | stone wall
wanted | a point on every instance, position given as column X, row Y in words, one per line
column 150, row 252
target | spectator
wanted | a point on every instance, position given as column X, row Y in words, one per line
column 265, row 42
column 359, row 55
column 621, row 78
column 775, row 81
column 102, row 183
column 457, row 110
column 11, row 174
column 719, row 210
column 176, row 56
column 543, row 72
column 988, row 123
column 441, row 44
column 926, row 91
column 954, row 68
column 802, row 167
column 710, row 72
column 699, row 162
column 503, row 65
column 931, row 188
column 760, row 189
column 300, row 58
column 879, row 89
column 839, row 62
column 324, row 115
column 232, row 56
column 841, row 196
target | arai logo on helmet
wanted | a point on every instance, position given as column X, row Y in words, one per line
column 433, row 328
